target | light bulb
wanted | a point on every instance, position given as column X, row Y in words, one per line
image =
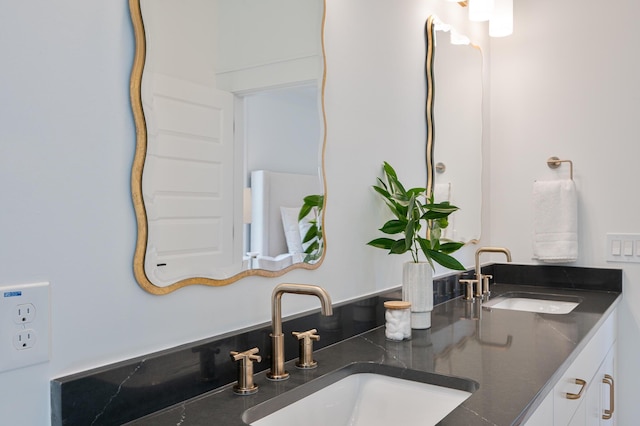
column 501, row 22
column 480, row 10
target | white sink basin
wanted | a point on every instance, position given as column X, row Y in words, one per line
column 540, row 303
column 371, row 399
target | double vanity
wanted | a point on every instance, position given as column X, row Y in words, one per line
column 495, row 364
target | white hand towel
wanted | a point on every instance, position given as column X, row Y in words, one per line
column 555, row 221
column 442, row 192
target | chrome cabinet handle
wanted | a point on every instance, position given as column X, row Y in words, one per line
column 608, row 380
column 583, row 384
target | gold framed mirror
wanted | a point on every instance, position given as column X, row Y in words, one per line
column 214, row 200
column 453, row 71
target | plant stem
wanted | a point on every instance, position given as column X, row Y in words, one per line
column 414, row 252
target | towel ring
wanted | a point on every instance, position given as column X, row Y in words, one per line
column 554, row 163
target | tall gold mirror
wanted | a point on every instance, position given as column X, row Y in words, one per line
column 454, row 126
column 227, row 98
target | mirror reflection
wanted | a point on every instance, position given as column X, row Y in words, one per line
column 227, row 97
column 457, row 128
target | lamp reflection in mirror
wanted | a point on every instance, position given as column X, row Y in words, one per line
column 501, row 22
column 499, row 13
column 480, row 10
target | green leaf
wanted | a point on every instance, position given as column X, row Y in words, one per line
column 417, row 191
column 397, row 210
column 392, row 178
column 411, row 207
column 314, row 200
column 443, row 207
column 445, row 260
column 394, row 226
column 382, row 191
column 310, row 235
column 304, row 211
column 409, row 232
column 383, row 243
column 401, row 198
column 424, row 245
column 450, row 247
column 312, row 247
column 389, row 171
column 399, row 247
column 432, row 215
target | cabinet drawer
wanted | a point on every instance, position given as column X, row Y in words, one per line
column 580, row 374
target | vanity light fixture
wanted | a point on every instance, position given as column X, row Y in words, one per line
column 441, row 26
column 480, row 10
column 499, row 13
column 456, row 37
column 501, row 21
column 462, row 3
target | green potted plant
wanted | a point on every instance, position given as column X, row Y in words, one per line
column 419, row 221
column 312, row 240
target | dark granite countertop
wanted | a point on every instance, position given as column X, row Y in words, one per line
column 516, row 357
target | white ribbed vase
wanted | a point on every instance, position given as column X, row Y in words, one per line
column 417, row 288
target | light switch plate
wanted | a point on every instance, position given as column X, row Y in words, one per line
column 24, row 325
column 623, row 248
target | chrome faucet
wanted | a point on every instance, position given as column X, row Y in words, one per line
column 277, row 337
column 482, row 283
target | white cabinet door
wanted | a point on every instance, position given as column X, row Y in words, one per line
column 543, row 416
column 598, row 405
column 602, row 403
column 607, row 384
column 573, row 388
column 580, row 415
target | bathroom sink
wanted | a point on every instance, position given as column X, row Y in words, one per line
column 534, row 302
column 366, row 394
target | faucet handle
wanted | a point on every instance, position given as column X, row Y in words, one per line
column 306, row 339
column 245, row 385
column 250, row 355
column 310, row 334
column 485, row 284
column 468, row 289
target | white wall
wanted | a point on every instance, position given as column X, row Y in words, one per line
column 66, row 146
column 283, row 130
column 177, row 34
column 566, row 84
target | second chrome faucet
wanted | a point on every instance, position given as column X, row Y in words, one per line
column 277, row 337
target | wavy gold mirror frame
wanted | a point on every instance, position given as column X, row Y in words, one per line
column 435, row 60
column 138, row 168
column 428, row 65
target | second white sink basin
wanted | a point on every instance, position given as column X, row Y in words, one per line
column 531, row 302
column 368, row 398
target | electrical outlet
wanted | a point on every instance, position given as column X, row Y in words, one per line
column 25, row 339
column 24, row 313
column 24, row 325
